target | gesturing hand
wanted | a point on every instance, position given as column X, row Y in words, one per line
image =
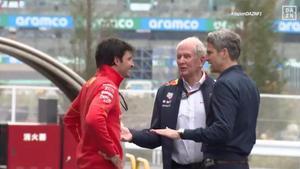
column 125, row 134
column 170, row 133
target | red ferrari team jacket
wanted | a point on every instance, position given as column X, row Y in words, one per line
column 94, row 120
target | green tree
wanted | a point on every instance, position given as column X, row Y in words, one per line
column 259, row 58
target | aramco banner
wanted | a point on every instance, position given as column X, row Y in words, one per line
column 47, row 22
column 138, row 23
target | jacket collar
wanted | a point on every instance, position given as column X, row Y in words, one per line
column 232, row 68
column 111, row 73
column 197, row 84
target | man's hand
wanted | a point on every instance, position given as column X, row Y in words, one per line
column 170, row 133
column 125, row 134
column 116, row 160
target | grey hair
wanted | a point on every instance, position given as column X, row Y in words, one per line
column 200, row 49
column 228, row 39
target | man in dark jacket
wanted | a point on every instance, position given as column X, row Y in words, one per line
column 230, row 133
column 180, row 103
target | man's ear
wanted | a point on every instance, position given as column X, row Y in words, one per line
column 116, row 61
column 226, row 51
column 203, row 58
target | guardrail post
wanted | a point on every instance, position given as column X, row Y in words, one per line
column 13, row 104
column 132, row 160
column 156, row 156
column 144, row 161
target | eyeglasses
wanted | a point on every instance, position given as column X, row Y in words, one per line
column 123, row 102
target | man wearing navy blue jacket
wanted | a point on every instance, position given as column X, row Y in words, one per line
column 231, row 124
column 180, row 103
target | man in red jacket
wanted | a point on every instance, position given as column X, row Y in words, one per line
column 94, row 116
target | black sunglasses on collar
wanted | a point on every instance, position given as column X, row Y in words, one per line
column 123, row 102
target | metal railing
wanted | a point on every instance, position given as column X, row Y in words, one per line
column 137, row 163
column 14, row 89
column 262, row 147
column 271, row 147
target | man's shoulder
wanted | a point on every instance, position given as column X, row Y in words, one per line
column 210, row 79
column 169, row 86
column 173, row 82
column 232, row 77
column 90, row 81
column 100, row 83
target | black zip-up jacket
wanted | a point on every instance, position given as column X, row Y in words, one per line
column 165, row 113
column 231, row 124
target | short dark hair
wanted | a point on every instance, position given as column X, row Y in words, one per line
column 226, row 39
column 110, row 48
